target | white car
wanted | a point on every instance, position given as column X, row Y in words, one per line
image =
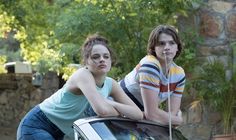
column 114, row 128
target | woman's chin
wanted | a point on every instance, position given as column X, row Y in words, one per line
column 103, row 71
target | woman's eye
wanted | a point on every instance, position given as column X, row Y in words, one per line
column 95, row 57
column 172, row 42
column 99, row 56
column 106, row 56
column 161, row 43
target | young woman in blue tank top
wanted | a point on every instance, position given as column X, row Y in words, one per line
column 88, row 86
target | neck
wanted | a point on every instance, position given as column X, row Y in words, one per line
column 165, row 65
column 100, row 80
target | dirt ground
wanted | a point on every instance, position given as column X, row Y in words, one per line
column 8, row 133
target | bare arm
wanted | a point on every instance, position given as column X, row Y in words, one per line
column 123, row 104
column 175, row 104
column 98, row 102
column 154, row 113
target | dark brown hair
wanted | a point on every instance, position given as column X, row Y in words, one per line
column 154, row 38
column 92, row 40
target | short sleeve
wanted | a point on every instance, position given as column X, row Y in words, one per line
column 180, row 83
column 149, row 76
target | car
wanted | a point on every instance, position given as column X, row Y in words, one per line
column 117, row 128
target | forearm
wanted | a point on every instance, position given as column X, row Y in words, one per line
column 106, row 110
column 162, row 117
column 154, row 113
column 127, row 110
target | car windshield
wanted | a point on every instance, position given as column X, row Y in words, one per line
column 128, row 130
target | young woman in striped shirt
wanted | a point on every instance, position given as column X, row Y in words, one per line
column 156, row 76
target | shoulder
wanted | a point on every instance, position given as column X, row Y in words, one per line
column 149, row 63
column 178, row 69
column 110, row 80
column 178, row 73
column 81, row 74
column 151, row 60
column 111, row 84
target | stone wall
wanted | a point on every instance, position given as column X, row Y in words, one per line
column 215, row 22
column 18, row 96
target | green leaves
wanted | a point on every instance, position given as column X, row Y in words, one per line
column 2, row 61
column 51, row 32
column 217, row 90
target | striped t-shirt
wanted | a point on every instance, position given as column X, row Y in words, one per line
column 148, row 74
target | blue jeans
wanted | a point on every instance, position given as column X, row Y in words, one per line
column 89, row 112
column 36, row 126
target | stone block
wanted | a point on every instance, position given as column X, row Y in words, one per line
column 211, row 24
column 194, row 112
column 8, row 84
column 231, row 24
column 221, row 6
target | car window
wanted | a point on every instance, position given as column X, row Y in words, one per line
column 128, row 130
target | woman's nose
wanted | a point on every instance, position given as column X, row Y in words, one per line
column 102, row 59
column 167, row 46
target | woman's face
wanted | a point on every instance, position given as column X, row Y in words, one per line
column 99, row 61
column 166, row 47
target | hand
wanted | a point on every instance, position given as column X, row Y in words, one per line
column 179, row 115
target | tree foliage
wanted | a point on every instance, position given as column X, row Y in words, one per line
column 215, row 84
column 51, row 31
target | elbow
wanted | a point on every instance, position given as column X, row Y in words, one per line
column 105, row 112
column 156, row 117
column 138, row 116
column 149, row 116
column 180, row 121
column 102, row 113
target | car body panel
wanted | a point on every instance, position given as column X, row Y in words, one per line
column 116, row 128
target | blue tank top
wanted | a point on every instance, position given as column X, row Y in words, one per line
column 63, row 107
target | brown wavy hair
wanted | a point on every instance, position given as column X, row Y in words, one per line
column 92, row 40
column 154, row 38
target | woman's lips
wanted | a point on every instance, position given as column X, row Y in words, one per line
column 102, row 66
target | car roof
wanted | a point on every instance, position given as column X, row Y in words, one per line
column 96, row 118
column 85, row 123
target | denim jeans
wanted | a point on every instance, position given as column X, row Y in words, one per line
column 36, row 126
column 89, row 112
